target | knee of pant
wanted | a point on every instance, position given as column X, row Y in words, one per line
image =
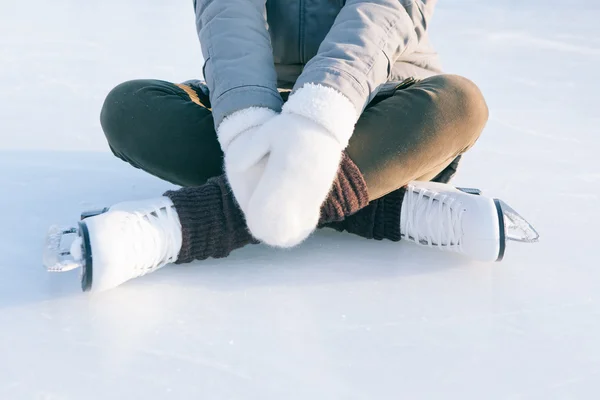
column 466, row 102
column 123, row 107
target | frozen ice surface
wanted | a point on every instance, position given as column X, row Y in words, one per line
column 339, row 317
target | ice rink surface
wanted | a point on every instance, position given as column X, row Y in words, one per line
column 339, row 317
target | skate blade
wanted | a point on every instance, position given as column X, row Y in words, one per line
column 57, row 255
column 516, row 227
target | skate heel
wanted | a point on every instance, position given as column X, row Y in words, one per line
column 67, row 249
column 513, row 227
column 516, row 228
column 59, row 247
column 87, row 272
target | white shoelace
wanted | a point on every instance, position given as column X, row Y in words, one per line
column 432, row 219
column 155, row 243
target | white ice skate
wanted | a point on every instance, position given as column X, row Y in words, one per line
column 461, row 220
column 114, row 245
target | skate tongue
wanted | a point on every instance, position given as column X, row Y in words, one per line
column 62, row 250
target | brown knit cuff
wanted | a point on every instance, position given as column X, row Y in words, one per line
column 348, row 193
column 348, row 209
column 212, row 224
column 379, row 220
column 387, row 216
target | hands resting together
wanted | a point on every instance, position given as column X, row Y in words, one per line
column 281, row 166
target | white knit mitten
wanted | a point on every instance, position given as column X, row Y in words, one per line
column 246, row 149
column 306, row 144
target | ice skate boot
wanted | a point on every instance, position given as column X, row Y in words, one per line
column 116, row 244
column 461, row 220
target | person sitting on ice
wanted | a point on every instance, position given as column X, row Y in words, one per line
column 333, row 114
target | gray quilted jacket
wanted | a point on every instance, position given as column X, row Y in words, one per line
column 252, row 47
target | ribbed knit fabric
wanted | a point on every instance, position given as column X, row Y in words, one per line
column 348, row 193
column 213, row 224
column 380, row 219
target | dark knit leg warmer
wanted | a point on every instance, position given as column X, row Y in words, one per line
column 379, row 220
column 348, row 193
column 213, row 224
